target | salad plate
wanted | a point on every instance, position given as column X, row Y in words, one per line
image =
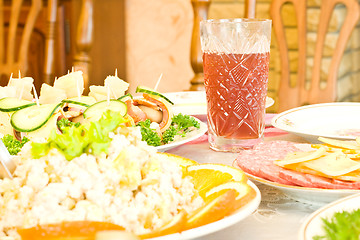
column 194, row 102
column 313, row 224
column 188, row 138
column 314, row 196
column 332, row 120
column 228, row 221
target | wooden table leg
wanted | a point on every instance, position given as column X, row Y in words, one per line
column 200, row 8
column 84, row 39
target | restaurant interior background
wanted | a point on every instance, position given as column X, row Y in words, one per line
column 145, row 38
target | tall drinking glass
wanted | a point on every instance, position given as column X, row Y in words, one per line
column 236, row 68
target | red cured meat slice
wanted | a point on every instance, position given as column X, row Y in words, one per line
column 259, row 162
column 296, row 178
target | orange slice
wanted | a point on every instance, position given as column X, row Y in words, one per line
column 177, row 224
column 213, row 210
column 81, row 230
column 207, row 176
column 181, row 161
column 244, row 193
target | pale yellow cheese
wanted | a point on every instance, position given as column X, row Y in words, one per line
column 98, row 92
column 340, row 143
column 333, row 164
column 49, row 94
column 23, row 87
column 72, row 83
column 7, row 91
column 117, row 86
column 297, row 157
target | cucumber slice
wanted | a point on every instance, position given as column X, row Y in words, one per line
column 125, row 97
column 34, row 117
column 152, row 92
column 10, row 104
column 85, row 101
column 96, row 110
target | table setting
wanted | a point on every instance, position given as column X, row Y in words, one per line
column 183, row 165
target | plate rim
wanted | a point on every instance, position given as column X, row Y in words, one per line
column 327, row 207
column 275, row 120
column 226, row 222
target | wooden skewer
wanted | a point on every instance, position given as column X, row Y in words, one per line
column 158, row 82
column 36, row 96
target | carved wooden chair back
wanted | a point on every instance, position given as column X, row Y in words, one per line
column 303, row 92
column 13, row 58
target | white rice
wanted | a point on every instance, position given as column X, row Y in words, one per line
column 131, row 186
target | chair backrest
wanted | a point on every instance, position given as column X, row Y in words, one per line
column 293, row 95
column 201, row 8
column 11, row 59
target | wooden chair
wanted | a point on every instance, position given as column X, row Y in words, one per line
column 201, row 8
column 300, row 94
column 13, row 57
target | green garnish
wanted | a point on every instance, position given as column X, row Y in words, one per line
column 64, row 122
column 341, row 226
column 148, row 134
column 180, row 125
column 90, row 138
column 13, row 145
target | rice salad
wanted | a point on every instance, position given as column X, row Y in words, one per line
column 131, row 186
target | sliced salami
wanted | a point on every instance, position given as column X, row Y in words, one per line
column 259, row 162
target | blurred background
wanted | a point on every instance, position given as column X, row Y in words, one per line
column 145, row 38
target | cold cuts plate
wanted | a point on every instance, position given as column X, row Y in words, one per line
column 334, row 120
column 258, row 164
column 313, row 225
column 314, row 196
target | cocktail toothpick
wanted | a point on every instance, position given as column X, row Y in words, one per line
column 158, row 82
column 36, row 96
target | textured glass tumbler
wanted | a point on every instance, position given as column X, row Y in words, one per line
column 236, row 69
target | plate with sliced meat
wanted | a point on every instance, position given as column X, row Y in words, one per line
column 258, row 164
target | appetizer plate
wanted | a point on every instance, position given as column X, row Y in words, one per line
column 190, row 137
column 313, row 224
column 338, row 120
column 228, row 221
column 314, row 196
column 194, row 102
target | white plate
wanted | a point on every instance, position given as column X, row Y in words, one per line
column 313, row 224
column 236, row 217
column 194, row 102
column 190, row 137
column 314, row 196
column 334, row 120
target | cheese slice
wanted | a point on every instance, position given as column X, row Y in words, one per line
column 72, row 83
column 297, row 157
column 23, row 87
column 117, row 86
column 49, row 94
column 333, row 164
column 7, row 91
column 98, row 92
column 340, row 143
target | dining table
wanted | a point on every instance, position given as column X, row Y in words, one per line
column 278, row 215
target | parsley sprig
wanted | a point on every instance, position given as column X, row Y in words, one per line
column 342, row 225
column 180, row 125
column 13, row 145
